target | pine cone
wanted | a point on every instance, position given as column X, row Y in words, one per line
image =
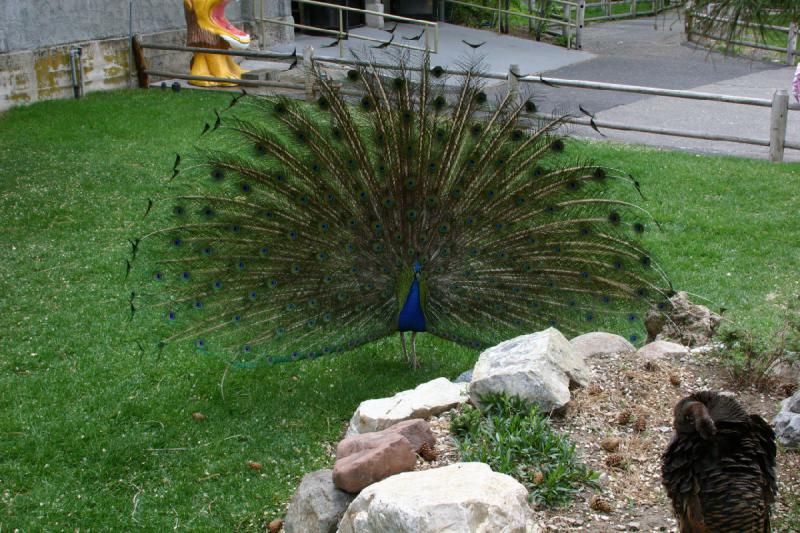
column 594, row 389
column 254, row 465
column 538, row 477
column 640, row 424
column 275, row 525
column 674, row 379
column 199, row 416
column 610, row 444
column 615, row 461
column 427, row 452
column 597, row 503
column 650, row 365
column 624, row 417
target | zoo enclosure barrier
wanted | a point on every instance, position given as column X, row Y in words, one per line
column 430, row 29
column 574, row 14
column 791, row 50
column 779, row 104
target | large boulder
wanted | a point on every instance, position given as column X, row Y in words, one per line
column 460, row 498
column 787, row 422
column 598, row 343
column 539, row 368
column 317, row 506
column 426, row 400
column 682, row 321
column 387, row 455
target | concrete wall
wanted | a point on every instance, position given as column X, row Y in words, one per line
column 36, row 36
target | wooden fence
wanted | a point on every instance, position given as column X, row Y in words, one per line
column 779, row 104
column 791, row 49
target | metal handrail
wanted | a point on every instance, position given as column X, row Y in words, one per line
column 341, row 34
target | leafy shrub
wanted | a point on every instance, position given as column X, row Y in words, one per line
column 516, row 439
column 750, row 358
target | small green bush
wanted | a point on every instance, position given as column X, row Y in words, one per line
column 750, row 358
column 516, row 439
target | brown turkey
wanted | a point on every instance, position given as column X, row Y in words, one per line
column 719, row 469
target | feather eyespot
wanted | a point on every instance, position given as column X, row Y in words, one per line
column 281, row 108
column 480, row 98
column 217, row 174
column 367, row 104
column 398, row 83
column 530, row 107
column 353, row 75
column 638, row 227
column 557, row 145
column 323, row 103
column 437, row 71
column 614, row 218
column 439, row 103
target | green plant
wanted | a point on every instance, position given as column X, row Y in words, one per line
column 750, row 358
column 516, row 439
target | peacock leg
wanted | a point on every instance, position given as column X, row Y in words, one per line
column 403, row 344
column 414, row 362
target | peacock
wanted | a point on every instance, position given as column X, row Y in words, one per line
column 403, row 199
column 719, row 469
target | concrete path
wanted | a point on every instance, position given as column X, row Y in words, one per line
column 644, row 51
column 651, row 52
column 497, row 54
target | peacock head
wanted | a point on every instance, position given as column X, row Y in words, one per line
column 417, row 269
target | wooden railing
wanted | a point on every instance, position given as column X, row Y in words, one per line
column 779, row 104
column 791, row 49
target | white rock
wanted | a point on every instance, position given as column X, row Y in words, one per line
column 787, row 422
column 317, row 506
column 538, row 368
column 662, row 349
column 426, row 400
column 460, row 498
column 600, row 343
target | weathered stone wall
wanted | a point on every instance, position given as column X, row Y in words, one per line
column 37, row 35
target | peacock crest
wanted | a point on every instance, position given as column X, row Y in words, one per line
column 301, row 230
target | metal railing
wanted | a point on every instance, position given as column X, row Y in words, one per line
column 569, row 29
column 779, row 104
column 341, row 34
column 792, row 49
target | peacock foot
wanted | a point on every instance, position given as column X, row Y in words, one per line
column 215, row 66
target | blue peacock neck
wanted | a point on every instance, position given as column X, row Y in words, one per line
column 412, row 317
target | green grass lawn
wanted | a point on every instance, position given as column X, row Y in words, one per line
column 96, row 435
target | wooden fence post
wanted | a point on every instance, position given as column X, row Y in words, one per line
column 777, row 126
column 308, row 64
column 580, row 18
column 791, row 48
column 688, row 19
column 513, row 79
column 633, row 8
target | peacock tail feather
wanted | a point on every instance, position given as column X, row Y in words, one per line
column 298, row 228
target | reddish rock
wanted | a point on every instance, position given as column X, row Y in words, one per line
column 389, row 454
column 416, row 431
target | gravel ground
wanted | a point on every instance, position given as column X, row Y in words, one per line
column 628, row 410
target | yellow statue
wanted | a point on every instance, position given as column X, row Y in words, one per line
column 207, row 27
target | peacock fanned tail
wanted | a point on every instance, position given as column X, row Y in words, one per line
column 300, row 224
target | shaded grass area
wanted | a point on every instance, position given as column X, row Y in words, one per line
column 96, row 434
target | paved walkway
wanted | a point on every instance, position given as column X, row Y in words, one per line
column 497, row 54
column 633, row 52
column 644, row 51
